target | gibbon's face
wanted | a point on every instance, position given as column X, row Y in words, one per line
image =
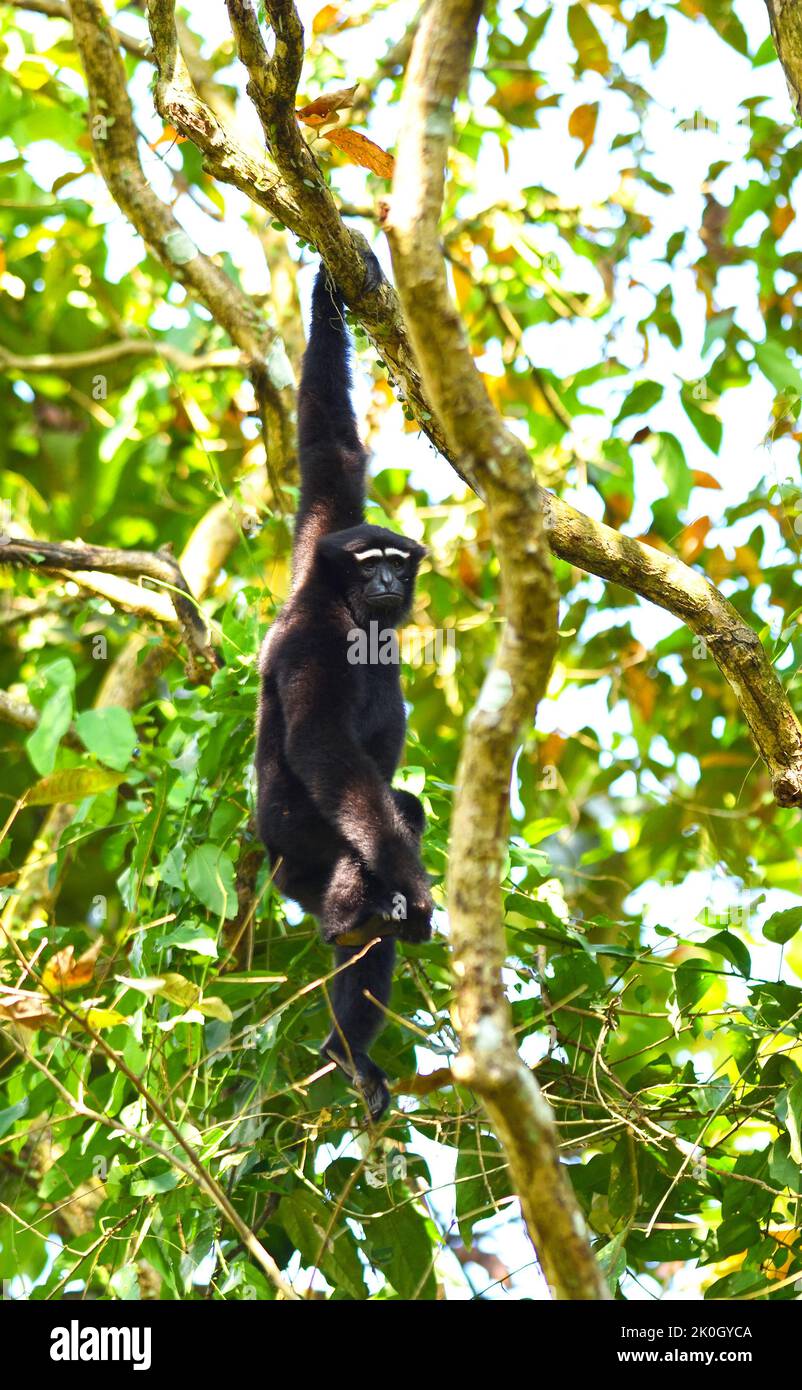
column 376, row 569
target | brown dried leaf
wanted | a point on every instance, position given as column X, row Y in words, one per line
column 24, row 1007
column 328, row 102
column 362, row 151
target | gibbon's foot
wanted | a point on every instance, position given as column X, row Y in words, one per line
column 367, row 931
column 377, row 917
column 366, row 1078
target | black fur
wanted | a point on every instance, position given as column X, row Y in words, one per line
column 330, row 732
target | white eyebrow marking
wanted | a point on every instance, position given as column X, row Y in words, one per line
column 367, row 554
column 391, row 551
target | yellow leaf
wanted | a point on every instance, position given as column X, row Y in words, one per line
column 104, row 1018
column 702, row 479
column 71, row 784
column 325, row 19
column 215, row 1008
column 582, row 124
column 63, row 972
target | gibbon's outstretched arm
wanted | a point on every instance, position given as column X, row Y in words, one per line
column 332, row 457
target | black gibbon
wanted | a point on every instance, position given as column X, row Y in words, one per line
column 342, row 842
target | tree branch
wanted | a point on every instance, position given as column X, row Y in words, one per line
column 732, row 644
column 114, row 142
column 59, row 9
column 785, row 17
column 486, row 450
column 161, row 567
column 65, row 362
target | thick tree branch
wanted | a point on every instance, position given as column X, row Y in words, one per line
column 785, row 17
column 161, row 567
column 732, row 644
column 486, row 450
column 114, row 142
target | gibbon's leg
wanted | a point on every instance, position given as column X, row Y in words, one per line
column 357, row 1020
column 411, row 811
column 352, row 903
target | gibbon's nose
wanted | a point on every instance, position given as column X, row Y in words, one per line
column 384, row 586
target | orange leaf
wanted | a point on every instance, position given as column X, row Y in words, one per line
column 325, row 19
column 692, row 539
column 582, row 124
column 63, row 972
column 169, row 136
column 781, row 218
column 641, row 691
column 362, row 151
column 702, row 479
column 328, row 102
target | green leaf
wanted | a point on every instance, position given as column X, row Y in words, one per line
column 691, row 983
column 641, row 398
column 482, row 1179
column 726, row 944
column 708, row 426
column 735, row 1234
column 210, row 875
column 793, row 1121
column 329, row 1246
column 399, row 1245
column 775, row 363
column 623, row 1192
column 587, row 40
column 781, row 926
column 71, row 784
column 9, row 1117
column 54, row 721
column 108, row 733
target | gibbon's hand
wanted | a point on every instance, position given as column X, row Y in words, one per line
column 407, row 887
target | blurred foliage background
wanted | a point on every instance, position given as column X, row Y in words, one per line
column 629, row 275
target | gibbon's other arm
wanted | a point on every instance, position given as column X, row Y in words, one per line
column 341, row 779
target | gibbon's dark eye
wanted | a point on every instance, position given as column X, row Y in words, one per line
column 398, row 563
column 368, row 569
